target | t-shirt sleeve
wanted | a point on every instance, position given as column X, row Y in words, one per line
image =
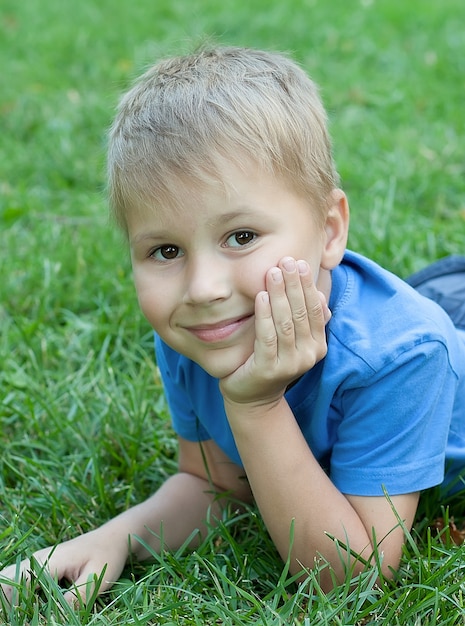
column 395, row 429
column 184, row 420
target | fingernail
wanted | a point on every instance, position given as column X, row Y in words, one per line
column 288, row 264
column 276, row 275
column 302, row 266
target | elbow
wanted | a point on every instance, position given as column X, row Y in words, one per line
column 344, row 566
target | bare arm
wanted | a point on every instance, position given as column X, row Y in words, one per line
column 179, row 507
column 206, row 481
column 290, row 486
column 286, row 480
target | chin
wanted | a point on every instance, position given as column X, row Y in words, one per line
column 221, row 365
column 219, row 371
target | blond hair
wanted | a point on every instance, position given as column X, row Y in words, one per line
column 185, row 112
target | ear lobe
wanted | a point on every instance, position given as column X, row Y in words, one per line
column 336, row 230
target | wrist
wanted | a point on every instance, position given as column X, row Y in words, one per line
column 122, row 533
column 252, row 412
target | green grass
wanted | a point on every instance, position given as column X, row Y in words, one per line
column 84, row 430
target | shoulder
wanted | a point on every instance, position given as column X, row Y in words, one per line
column 378, row 318
column 176, row 368
column 184, row 381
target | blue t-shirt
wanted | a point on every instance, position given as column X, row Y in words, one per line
column 384, row 409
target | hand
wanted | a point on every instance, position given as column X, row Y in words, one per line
column 76, row 561
column 290, row 319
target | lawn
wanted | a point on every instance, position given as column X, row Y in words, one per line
column 84, row 429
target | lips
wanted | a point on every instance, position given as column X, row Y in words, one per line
column 218, row 331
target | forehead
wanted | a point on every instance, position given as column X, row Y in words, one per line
column 239, row 199
column 224, row 185
column 174, row 188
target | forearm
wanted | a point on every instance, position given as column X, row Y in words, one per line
column 287, row 482
column 290, row 487
column 167, row 518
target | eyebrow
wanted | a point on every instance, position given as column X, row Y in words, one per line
column 224, row 218
column 230, row 216
column 145, row 237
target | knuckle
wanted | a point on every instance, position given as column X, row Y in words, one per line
column 316, row 310
column 320, row 352
column 286, row 327
column 315, row 352
column 300, row 315
column 269, row 341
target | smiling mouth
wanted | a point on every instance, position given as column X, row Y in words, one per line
column 211, row 333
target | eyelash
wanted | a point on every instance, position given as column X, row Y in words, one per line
column 158, row 253
column 238, row 233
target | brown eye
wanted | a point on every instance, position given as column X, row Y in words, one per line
column 166, row 253
column 241, row 238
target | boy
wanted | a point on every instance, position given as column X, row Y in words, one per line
column 298, row 374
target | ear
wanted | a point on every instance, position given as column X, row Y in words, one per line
column 336, row 230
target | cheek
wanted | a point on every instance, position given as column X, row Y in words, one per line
column 251, row 278
column 149, row 309
column 153, row 305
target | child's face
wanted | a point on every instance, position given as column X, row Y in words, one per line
column 198, row 268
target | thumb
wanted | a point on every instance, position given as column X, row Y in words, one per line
column 86, row 588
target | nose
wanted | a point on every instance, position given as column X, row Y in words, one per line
column 207, row 280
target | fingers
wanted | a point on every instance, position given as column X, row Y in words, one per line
column 290, row 338
column 287, row 301
column 86, row 588
column 82, row 591
column 86, row 578
column 298, row 309
column 290, row 320
column 12, row 579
